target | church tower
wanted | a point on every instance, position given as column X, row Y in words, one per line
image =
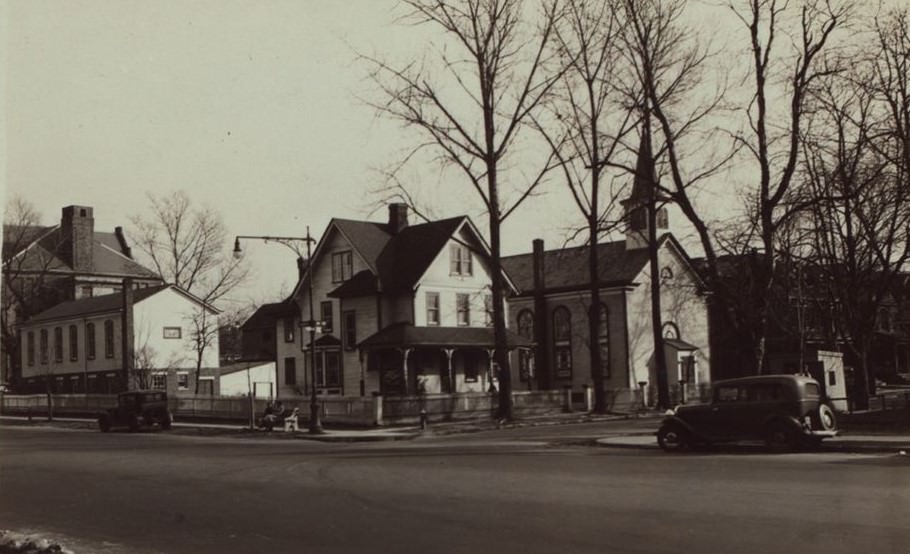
column 644, row 197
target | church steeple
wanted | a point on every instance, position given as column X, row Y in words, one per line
column 644, row 196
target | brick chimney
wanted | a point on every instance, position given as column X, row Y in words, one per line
column 541, row 321
column 398, row 217
column 126, row 333
column 77, row 237
column 121, row 240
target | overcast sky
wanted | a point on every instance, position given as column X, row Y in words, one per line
column 250, row 106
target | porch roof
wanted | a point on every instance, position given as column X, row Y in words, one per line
column 405, row 335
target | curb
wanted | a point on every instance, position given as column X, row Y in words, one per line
column 836, row 446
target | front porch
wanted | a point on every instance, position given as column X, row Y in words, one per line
column 434, row 360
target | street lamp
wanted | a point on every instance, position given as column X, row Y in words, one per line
column 311, row 325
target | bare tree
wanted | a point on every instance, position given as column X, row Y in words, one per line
column 188, row 248
column 472, row 114
column 27, row 273
column 585, row 125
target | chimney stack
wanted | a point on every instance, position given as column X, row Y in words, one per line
column 121, row 240
column 398, row 217
column 77, row 237
column 126, row 332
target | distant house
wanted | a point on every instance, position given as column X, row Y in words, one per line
column 259, row 339
column 553, row 303
column 400, row 308
column 138, row 338
column 44, row 266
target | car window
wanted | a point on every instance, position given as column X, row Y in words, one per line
column 812, row 390
column 763, row 392
column 128, row 400
column 727, row 394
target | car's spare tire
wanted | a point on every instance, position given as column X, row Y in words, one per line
column 823, row 419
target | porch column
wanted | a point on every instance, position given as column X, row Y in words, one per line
column 449, row 353
column 490, row 353
column 405, row 352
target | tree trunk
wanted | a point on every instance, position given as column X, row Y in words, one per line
column 660, row 360
column 595, row 313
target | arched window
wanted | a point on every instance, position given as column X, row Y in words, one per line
column 108, row 338
column 666, row 274
column 603, row 339
column 526, row 324
column 562, row 342
column 90, row 341
column 670, row 330
column 526, row 330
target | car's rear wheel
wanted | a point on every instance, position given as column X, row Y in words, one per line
column 104, row 423
column 672, row 438
column 823, row 418
column 780, row 438
column 166, row 421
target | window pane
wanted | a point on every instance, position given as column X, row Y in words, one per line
column 332, row 369
column 74, row 343
column 432, row 308
column 526, row 324
column 326, row 311
column 463, row 309
column 350, row 330
column 562, row 324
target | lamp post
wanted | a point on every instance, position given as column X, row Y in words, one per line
column 311, row 325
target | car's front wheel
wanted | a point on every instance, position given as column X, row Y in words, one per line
column 780, row 438
column 672, row 438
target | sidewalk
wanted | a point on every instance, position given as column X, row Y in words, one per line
column 846, row 443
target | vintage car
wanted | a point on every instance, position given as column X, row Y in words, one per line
column 785, row 411
column 136, row 409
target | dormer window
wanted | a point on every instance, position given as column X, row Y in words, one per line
column 342, row 266
column 460, row 261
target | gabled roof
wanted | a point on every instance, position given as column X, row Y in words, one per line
column 108, row 303
column 566, row 269
column 38, row 249
column 266, row 314
column 397, row 261
column 408, row 255
column 405, row 334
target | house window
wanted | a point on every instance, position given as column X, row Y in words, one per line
column 603, row 340
column 87, row 292
column 290, row 371
column 159, row 381
column 58, row 344
column 288, row 329
column 109, row 339
column 463, row 309
column 326, row 313
column 488, row 310
column 525, row 356
column 183, row 381
column 90, row 341
column 74, row 343
column 172, row 332
column 432, row 308
column 328, row 369
column 460, row 260
column 562, row 342
column 350, row 330
column 471, row 366
column 30, row 348
column 341, row 266
column 666, row 274
column 43, row 339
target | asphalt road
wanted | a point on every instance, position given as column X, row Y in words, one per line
column 520, row 490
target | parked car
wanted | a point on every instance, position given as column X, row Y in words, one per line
column 136, row 409
column 783, row 410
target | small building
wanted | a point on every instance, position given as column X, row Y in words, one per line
column 256, row 377
column 135, row 338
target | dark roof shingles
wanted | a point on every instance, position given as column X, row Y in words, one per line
column 93, row 305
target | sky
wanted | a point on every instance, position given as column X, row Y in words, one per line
column 254, row 108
